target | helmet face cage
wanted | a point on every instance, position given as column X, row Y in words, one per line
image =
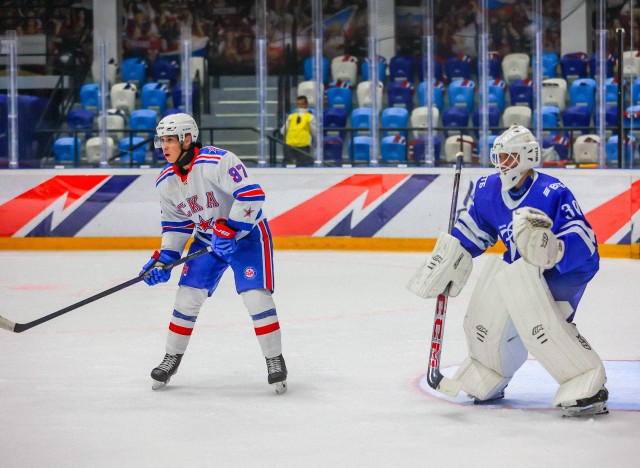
column 520, row 144
column 176, row 124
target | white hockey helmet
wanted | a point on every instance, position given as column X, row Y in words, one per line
column 521, row 145
column 176, row 124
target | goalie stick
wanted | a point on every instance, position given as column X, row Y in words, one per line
column 20, row 327
column 435, row 379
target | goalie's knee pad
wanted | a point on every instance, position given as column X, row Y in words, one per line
column 495, row 349
column 555, row 343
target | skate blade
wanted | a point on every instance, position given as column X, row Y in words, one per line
column 280, row 387
column 157, row 385
column 594, row 410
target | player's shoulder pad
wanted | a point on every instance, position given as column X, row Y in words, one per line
column 549, row 184
column 209, row 155
column 212, row 150
column 488, row 182
column 167, row 171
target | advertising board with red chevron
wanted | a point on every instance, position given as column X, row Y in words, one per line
column 377, row 204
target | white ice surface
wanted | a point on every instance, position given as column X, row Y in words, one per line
column 76, row 391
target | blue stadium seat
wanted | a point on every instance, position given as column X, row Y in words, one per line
column 495, row 66
column 170, row 111
column 420, row 147
column 455, row 118
column 438, row 94
column 560, row 143
column 382, row 69
column 340, row 97
column 361, row 118
column 576, row 116
column 488, row 140
column 66, row 150
column 154, row 96
column 165, row 71
column 594, row 65
column 458, row 67
column 135, row 156
column 550, row 62
column 611, row 91
column 612, row 151
column 308, row 69
column 90, row 96
column 401, row 68
column 134, row 70
column 496, row 91
column 400, row 94
column 30, row 115
column 462, row 94
column 143, row 120
column 176, row 95
column 635, row 93
column 394, row 117
column 610, row 116
column 360, row 148
column 4, row 130
column 334, row 117
column 494, row 119
column 393, row 148
column 574, row 66
column 521, row 93
column 437, row 69
column 333, row 149
column 81, row 120
column 550, row 118
column 582, row 92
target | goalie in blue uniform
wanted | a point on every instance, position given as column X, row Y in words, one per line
column 527, row 301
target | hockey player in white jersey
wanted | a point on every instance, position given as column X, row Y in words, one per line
column 527, row 301
column 209, row 193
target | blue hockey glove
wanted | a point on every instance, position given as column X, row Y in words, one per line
column 152, row 270
column 223, row 241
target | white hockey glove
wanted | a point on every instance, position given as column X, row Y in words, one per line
column 450, row 263
column 534, row 239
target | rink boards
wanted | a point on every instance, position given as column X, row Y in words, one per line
column 381, row 209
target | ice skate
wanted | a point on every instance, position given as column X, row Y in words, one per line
column 592, row 406
column 488, row 401
column 161, row 375
column 277, row 373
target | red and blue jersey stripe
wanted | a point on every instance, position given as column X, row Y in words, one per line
column 185, row 227
column 249, row 193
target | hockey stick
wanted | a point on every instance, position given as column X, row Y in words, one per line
column 435, row 379
column 20, row 327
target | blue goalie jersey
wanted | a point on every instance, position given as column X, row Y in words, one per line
column 490, row 218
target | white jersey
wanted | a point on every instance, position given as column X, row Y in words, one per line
column 217, row 186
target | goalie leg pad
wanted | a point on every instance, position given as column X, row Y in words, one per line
column 495, row 349
column 185, row 313
column 554, row 342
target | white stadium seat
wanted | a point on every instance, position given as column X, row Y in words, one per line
column 517, row 115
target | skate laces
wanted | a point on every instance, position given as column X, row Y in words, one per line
column 168, row 362
column 274, row 365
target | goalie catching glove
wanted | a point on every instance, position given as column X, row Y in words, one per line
column 450, row 264
column 534, row 240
